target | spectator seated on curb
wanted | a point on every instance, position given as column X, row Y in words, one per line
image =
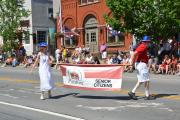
column 14, row 62
column 29, row 61
column 109, row 60
column 89, row 59
column 165, row 65
column 75, row 59
column 153, row 64
column 126, row 60
column 82, row 61
column 173, row 64
column 8, row 61
column 115, row 59
column 96, row 60
column 178, row 67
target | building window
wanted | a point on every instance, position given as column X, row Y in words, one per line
column 70, row 38
column 24, row 23
column 93, row 37
column 115, row 37
column 50, row 12
column 70, row 41
column 83, row 2
column 41, row 36
column 26, row 37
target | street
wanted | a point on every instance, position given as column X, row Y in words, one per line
column 20, row 99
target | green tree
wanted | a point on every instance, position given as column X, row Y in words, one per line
column 157, row 18
column 11, row 14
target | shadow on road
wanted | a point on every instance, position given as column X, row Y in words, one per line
column 65, row 95
column 164, row 95
column 104, row 97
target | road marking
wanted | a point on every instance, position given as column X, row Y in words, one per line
column 128, row 105
column 41, row 111
column 100, row 108
column 26, row 81
column 7, row 95
column 122, row 91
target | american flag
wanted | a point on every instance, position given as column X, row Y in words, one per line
column 112, row 31
column 73, row 30
column 58, row 24
column 60, row 27
column 59, row 18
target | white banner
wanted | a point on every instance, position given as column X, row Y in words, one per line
column 92, row 77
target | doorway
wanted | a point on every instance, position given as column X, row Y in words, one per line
column 91, row 33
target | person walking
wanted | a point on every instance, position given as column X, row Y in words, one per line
column 45, row 61
column 103, row 51
column 140, row 59
column 57, row 56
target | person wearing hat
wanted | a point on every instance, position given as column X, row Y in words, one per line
column 45, row 61
column 140, row 59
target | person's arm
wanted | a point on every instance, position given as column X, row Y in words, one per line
column 36, row 62
column 51, row 59
column 169, row 61
column 133, row 58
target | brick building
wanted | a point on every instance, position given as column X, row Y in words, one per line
column 85, row 17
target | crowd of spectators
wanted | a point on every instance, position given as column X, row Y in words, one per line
column 164, row 57
column 16, row 57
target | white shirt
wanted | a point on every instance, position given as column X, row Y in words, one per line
column 57, row 52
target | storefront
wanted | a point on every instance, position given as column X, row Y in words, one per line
column 84, row 24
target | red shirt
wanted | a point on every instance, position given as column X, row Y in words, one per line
column 142, row 50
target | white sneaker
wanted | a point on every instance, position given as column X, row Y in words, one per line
column 42, row 97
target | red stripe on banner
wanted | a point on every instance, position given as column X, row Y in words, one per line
column 94, row 65
column 63, row 70
column 86, row 88
column 115, row 73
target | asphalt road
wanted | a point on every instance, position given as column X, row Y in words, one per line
column 19, row 99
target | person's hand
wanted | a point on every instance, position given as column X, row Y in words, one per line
column 126, row 64
column 131, row 63
column 50, row 62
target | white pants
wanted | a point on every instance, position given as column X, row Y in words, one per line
column 142, row 71
column 104, row 55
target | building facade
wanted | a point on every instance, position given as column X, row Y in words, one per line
column 86, row 18
column 38, row 24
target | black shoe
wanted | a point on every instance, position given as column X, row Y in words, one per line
column 150, row 97
column 132, row 95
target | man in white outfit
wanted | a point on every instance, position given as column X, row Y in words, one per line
column 140, row 59
column 57, row 55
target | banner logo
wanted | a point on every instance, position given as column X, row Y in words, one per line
column 75, row 76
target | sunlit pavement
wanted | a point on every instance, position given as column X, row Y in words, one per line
column 19, row 91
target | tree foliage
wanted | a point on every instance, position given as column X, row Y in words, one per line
column 157, row 18
column 11, row 14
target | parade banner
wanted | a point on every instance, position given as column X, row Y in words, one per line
column 92, row 77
